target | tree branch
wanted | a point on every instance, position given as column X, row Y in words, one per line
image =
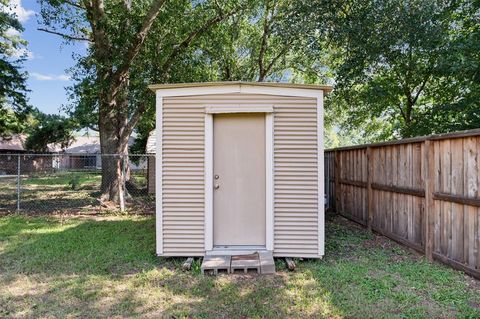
column 119, row 76
column 177, row 49
column 263, row 44
column 96, row 18
column 74, row 4
column 127, row 4
column 66, row 36
column 192, row 36
column 422, row 86
column 278, row 56
column 133, row 120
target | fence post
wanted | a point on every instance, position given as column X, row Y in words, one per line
column 18, row 182
column 122, row 187
column 337, row 168
column 429, row 175
column 369, row 188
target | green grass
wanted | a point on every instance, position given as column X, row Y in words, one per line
column 63, row 179
column 66, row 192
column 106, row 267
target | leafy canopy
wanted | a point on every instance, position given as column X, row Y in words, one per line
column 13, row 102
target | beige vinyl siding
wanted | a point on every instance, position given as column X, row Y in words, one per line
column 183, row 178
column 295, row 176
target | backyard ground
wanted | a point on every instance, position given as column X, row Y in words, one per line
column 66, row 191
column 105, row 266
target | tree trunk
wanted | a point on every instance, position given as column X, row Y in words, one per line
column 114, row 150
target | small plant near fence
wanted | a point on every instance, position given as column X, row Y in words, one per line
column 74, row 183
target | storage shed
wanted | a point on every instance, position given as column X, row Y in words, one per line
column 239, row 169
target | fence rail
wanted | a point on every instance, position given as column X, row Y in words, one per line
column 421, row 192
column 67, row 183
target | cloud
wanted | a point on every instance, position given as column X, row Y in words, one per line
column 22, row 52
column 16, row 51
column 11, row 33
column 49, row 77
column 16, row 7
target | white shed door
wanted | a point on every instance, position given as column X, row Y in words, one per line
column 239, row 180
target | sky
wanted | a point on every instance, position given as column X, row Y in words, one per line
column 48, row 59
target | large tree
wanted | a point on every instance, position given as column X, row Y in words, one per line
column 258, row 43
column 129, row 42
column 400, row 66
column 13, row 102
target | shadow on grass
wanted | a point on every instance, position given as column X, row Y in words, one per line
column 95, row 247
column 91, row 268
column 108, row 268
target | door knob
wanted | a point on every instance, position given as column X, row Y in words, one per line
column 217, row 186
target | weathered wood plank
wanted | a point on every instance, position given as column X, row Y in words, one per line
column 419, row 218
column 457, row 209
column 459, row 199
column 187, row 265
column 369, row 188
column 446, row 188
column 429, row 172
column 355, row 183
column 410, row 209
column 337, row 168
column 399, row 190
column 290, row 264
column 388, row 195
column 477, row 219
column 470, row 191
column 438, row 205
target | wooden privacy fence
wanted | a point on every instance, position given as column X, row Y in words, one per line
column 421, row 192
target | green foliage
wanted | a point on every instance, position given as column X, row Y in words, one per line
column 257, row 43
column 50, row 129
column 12, row 122
column 13, row 102
column 401, row 68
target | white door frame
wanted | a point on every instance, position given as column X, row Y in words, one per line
column 209, row 112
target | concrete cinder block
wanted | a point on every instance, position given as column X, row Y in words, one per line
column 267, row 264
column 215, row 264
column 245, row 265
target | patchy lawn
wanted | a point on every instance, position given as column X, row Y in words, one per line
column 66, row 191
column 105, row 267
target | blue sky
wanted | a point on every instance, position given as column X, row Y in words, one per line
column 48, row 60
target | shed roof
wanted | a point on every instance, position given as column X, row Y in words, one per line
column 325, row 88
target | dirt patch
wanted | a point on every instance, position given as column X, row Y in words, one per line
column 473, row 283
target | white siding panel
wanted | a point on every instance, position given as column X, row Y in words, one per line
column 295, row 172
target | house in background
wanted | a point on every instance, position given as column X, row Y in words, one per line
column 82, row 153
column 11, row 147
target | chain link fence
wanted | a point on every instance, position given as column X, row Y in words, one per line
column 69, row 183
